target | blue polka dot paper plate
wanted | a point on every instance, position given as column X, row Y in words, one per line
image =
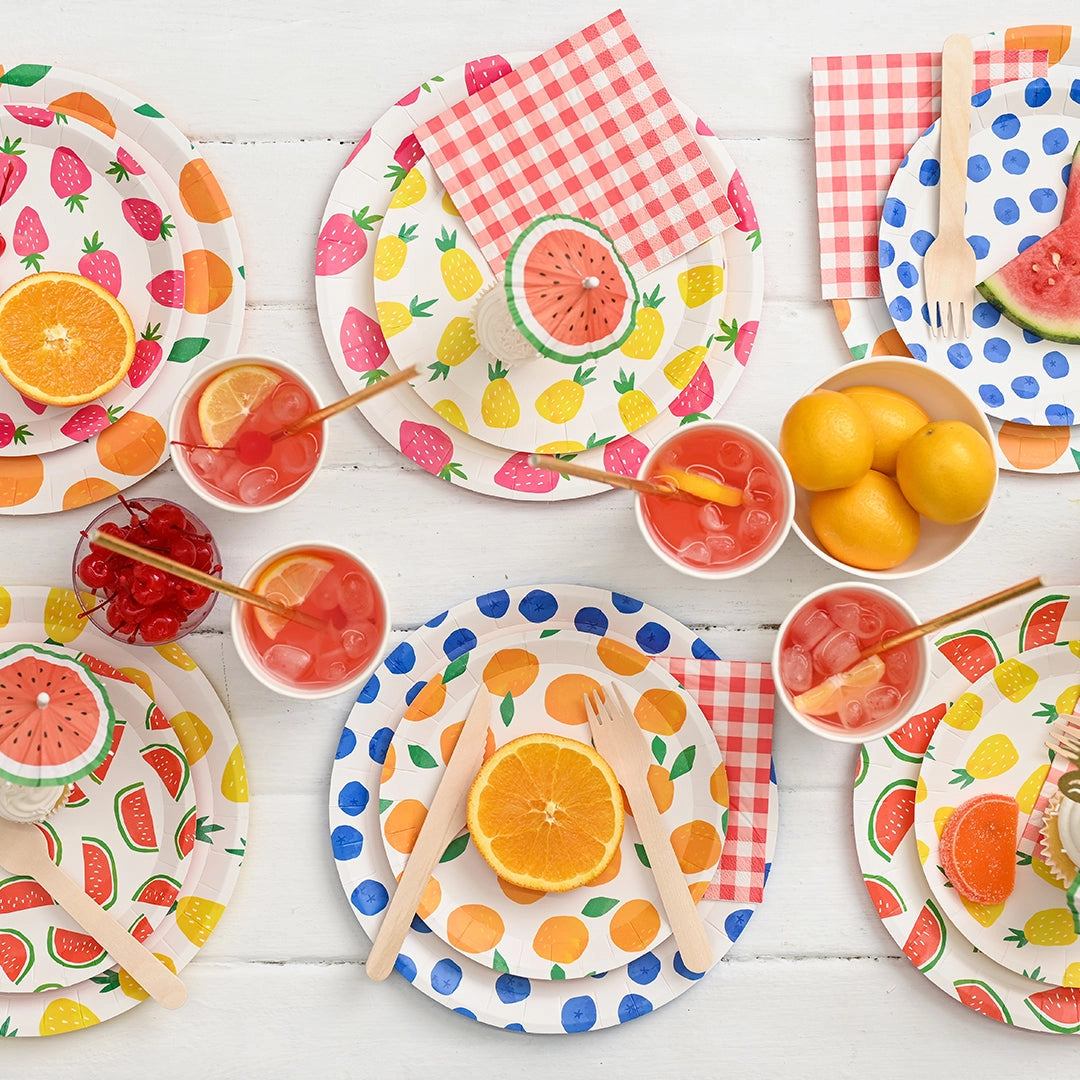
column 490, row 992
column 1022, row 140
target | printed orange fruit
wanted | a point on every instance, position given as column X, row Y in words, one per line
column 450, row 735
column 561, row 939
column 890, row 344
column 662, row 787
column 431, row 899
column 389, row 764
column 208, row 281
column 697, row 846
column 611, row 871
column 511, row 671
column 518, row 894
column 661, row 711
column 87, row 108
column 894, row 417
column 842, row 311
column 718, row 785
column 428, row 702
column 474, row 928
column 133, row 445
column 620, row 658
column 947, row 471
column 1055, row 39
column 403, row 824
column 634, row 925
column 20, row 479
column 1028, row 447
column 201, row 194
column 91, row 489
column 545, row 812
column 564, row 699
column 231, row 397
column 64, row 340
column 827, row 441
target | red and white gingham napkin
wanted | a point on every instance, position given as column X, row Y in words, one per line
column 868, row 110
column 589, row 129
column 1031, row 837
column 737, row 700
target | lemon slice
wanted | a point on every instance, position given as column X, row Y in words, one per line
column 231, row 398
column 703, row 488
column 824, row 698
column 290, row 581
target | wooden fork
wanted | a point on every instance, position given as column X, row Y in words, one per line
column 949, row 264
column 1065, row 737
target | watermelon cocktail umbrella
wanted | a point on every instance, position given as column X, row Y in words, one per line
column 56, row 720
column 569, row 291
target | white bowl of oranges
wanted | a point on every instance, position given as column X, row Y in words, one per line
column 893, row 466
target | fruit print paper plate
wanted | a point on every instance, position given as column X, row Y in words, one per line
column 206, row 293
column 125, row 835
column 215, row 835
column 432, row 285
column 373, row 182
column 538, row 684
column 887, row 793
column 366, row 753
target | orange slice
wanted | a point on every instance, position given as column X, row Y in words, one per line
column 978, row 848
column 546, row 813
column 64, row 340
column 289, row 580
column 824, row 698
column 703, row 487
column 231, row 398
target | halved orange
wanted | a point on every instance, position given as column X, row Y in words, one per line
column 825, row 698
column 231, row 398
column 289, row 580
column 64, row 340
column 546, row 813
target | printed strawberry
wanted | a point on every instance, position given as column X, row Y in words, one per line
column 9, row 433
column 29, row 239
column 702, row 128
column 413, row 95
column 34, row 115
column 3, row 244
column 124, row 167
column 518, row 475
column 70, row 178
column 343, row 241
column 100, row 265
column 624, row 456
column 408, row 153
column 363, row 345
column 739, row 198
column 168, row 288
column 12, row 169
column 146, row 219
column 740, row 337
column 89, row 420
column 695, row 398
column 430, row 448
column 364, row 139
column 148, row 353
column 481, row 73
column 36, row 407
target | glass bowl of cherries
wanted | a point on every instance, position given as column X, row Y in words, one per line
column 140, row 604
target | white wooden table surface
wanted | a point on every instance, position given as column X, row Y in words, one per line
column 275, row 92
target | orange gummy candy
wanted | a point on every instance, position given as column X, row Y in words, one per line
column 978, row 848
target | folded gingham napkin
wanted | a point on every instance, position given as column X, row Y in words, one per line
column 1031, row 837
column 737, row 700
column 588, row 129
column 868, row 110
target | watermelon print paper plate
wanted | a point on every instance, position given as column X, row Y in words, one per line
column 217, row 779
column 538, row 684
column 62, row 210
column 372, row 182
column 207, row 293
column 886, row 795
column 366, row 753
column 125, row 835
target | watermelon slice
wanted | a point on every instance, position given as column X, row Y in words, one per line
column 892, row 817
column 22, row 893
column 1072, row 195
column 52, row 841
column 1043, row 620
column 568, row 289
column 1057, row 1008
column 910, row 742
column 160, row 891
column 972, row 652
column 99, row 871
column 170, row 764
column 141, row 928
column 77, row 796
column 98, row 775
column 978, row 848
column 925, row 944
column 185, row 834
column 16, row 955
column 133, row 816
column 887, row 900
column 72, row 949
column 982, row 998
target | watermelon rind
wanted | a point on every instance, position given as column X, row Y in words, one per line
column 69, row 771
column 881, row 888
column 59, row 943
column 977, row 995
column 177, row 789
column 149, row 892
column 928, row 914
column 184, row 838
column 1045, row 1000
column 10, row 932
column 872, row 829
column 862, row 766
column 52, row 837
column 109, row 897
column 1034, row 610
column 118, row 809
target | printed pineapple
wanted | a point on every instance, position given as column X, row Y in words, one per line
column 395, row 316
column 983, row 914
column 994, row 756
column 390, row 253
column 1029, row 790
column 965, row 713
column 562, row 400
column 1015, row 679
column 648, row 332
column 1050, row 927
column 408, row 191
column 684, row 367
column 457, row 344
column 451, row 413
column 459, row 272
column 700, row 284
column 448, row 205
column 635, row 406
column 561, row 446
column 941, row 815
column 499, row 405
column 62, row 616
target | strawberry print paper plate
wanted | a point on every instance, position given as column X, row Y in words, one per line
column 887, row 795
column 214, row 836
column 372, row 748
column 378, row 177
column 125, row 835
column 62, row 210
column 538, row 684
column 205, row 292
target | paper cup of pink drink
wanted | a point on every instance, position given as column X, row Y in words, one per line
column 822, row 638
column 705, row 539
column 335, row 588
column 248, row 464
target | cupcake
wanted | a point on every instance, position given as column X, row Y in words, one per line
column 23, row 803
column 495, row 328
column 1061, row 837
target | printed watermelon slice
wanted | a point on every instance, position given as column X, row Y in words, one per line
column 21, row 894
column 156, row 720
column 1057, row 1008
column 982, row 998
column 141, row 928
column 973, row 653
column 99, row 871
column 98, row 775
column 52, row 841
column 1042, row 622
column 170, row 764
column 134, row 819
column 185, row 834
column 77, row 796
column 16, row 955
column 892, row 817
column 72, row 949
column 887, row 900
column 925, row 944
column 862, row 765
column 159, row 891
column 910, row 742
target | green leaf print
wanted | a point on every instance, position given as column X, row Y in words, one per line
column 421, row 758
column 597, row 906
column 557, row 972
column 25, row 74
column 683, row 763
column 385, row 804
column 6, row 1030
column 186, row 349
column 456, row 668
column 107, row 980
column 149, row 110
column 659, row 750
column 859, row 351
column 548, row 633
column 455, row 848
column 642, row 857
column 499, row 964
column 506, row 709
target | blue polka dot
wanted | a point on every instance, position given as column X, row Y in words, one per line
column 996, row 350
column 1021, row 420
column 1006, row 210
column 405, row 966
column 353, row 798
column 653, row 638
column 379, row 744
column 414, row 692
column 917, row 351
column 894, row 213
column 924, row 311
column 1015, row 161
column 644, row 969
column 885, row 253
column 1006, row 126
column 929, row 172
column 591, row 620
column 458, row 643
column 419, row 925
column 1054, row 141
column 438, row 620
column 370, row 897
column 1043, row 200
column 346, row 744
column 907, row 274
column 736, row 922
column 402, row 660
column 1026, row 243
column 1055, row 364
column 980, row 245
column 1031, row 338
column 347, row 842
column 538, row 606
column 768, row 871
column 514, row 1027
column 578, row 1014
column 991, row 395
column 1037, row 93
column 494, row 604
column 462, row 1011
column 981, row 98
column 701, row 651
column 1025, row 386
column 445, row 977
column 598, row 975
column 370, row 691
column 985, row 315
column 512, row 988
column 900, row 309
column 684, row 971
column 632, row 1006
column 921, row 241
column 959, row 355
column 1074, row 91
column 978, row 168
column 772, row 771
column 626, row 604
column 1066, row 173
column 1060, row 415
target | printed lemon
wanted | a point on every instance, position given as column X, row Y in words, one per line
column 894, row 418
column 827, row 441
column 231, row 398
column 545, row 812
column 947, row 471
column 290, row 581
column 869, row 525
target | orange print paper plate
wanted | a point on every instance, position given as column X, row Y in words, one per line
column 539, row 684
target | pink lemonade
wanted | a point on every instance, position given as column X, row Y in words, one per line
column 825, row 638
column 332, row 587
column 704, row 535
column 256, row 465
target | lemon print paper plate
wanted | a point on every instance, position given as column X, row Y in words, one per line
column 538, row 684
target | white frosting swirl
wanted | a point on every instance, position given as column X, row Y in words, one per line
column 495, row 329
column 20, row 802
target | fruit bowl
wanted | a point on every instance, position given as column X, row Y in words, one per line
column 134, row 602
column 942, row 399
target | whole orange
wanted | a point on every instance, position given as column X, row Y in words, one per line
column 894, row 417
column 947, row 471
column 827, row 441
